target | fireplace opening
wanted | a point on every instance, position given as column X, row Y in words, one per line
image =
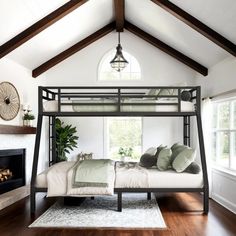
column 12, row 169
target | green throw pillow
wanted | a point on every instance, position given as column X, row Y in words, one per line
column 193, row 168
column 147, row 160
column 159, row 148
column 152, row 92
column 164, row 159
column 176, row 149
column 184, row 159
column 174, row 146
column 152, row 151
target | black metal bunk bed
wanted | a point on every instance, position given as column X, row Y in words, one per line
column 113, row 101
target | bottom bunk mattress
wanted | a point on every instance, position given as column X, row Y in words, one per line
column 127, row 175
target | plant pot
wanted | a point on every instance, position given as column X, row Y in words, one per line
column 28, row 123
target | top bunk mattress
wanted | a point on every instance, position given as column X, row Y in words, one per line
column 110, row 106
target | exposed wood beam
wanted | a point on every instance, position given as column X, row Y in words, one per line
column 197, row 25
column 39, row 26
column 167, row 49
column 119, row 14
column 73, row 49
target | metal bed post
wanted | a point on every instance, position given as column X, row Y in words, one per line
column 54, row 156
column 36, row 153
column 119, row 202
column 186, row 130
column 202, row 154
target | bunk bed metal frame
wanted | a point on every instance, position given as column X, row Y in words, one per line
column 118, row 93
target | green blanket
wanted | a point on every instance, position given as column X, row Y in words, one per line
column 93, row 173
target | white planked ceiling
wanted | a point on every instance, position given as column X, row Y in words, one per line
column 17, row 15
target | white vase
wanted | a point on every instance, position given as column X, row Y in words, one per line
column 28, row 123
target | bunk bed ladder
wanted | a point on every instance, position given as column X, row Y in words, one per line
column 186, row 127
column 35, row 164
column 52, row 140
column 202, row 154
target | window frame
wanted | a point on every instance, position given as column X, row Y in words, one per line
column 106, row 135
column 113, row 51
column 231, row 131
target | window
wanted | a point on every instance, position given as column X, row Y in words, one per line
column 124, row 138
column 131, row 72
column 224, row 133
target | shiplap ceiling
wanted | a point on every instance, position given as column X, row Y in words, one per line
column 15, row 16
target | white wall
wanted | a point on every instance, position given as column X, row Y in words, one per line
column 157, row 69
column 221, row 78
column 21, row 78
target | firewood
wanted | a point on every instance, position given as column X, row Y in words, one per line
column 5, row 174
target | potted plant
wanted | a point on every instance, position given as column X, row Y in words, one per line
column 66, row 140
column 28, row 119
column 125, row 152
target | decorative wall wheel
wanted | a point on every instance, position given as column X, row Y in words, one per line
column 9, row 101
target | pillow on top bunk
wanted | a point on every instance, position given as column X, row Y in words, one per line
column 167, row 92
column 184, row 159
column 152, row 92
column 164, row 159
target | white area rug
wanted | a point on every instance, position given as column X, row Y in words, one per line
column 137, row 212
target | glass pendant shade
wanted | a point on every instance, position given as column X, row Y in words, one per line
column 119, row 62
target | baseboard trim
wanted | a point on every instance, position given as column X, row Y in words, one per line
column 224, row 202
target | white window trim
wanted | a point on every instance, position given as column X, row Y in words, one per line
column 215, row 165
column 119, row 80
column 105, row 136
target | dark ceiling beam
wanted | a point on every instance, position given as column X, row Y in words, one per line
column 39, row 26
column 119, row 14
column 73, row 49
column 197, row 25
column 167, row 49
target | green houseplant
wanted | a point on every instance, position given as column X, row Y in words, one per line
column 125, row 152
column 66, row 140
column 28, row 118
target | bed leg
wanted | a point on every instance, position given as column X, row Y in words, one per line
column 205, row 202
column 119, row 202
column 149, row 195
column 32, row 202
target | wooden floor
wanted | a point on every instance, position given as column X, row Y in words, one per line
column 179, row 212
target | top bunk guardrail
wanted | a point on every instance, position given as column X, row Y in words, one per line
column 119, row 101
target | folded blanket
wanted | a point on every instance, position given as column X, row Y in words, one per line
column 93, row 173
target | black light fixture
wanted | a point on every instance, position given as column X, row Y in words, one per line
column 119, row 62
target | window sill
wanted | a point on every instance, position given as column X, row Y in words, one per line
column 225, row 172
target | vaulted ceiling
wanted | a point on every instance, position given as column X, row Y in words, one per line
column 153, row 20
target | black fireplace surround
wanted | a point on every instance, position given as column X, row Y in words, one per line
column 13, row 159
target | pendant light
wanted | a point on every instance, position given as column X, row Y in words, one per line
column 119, row 62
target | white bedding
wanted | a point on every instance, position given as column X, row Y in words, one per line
column 58, row 180
column 137, row 177
column 52, row 106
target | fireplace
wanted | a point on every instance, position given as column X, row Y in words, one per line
column 12, row 169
